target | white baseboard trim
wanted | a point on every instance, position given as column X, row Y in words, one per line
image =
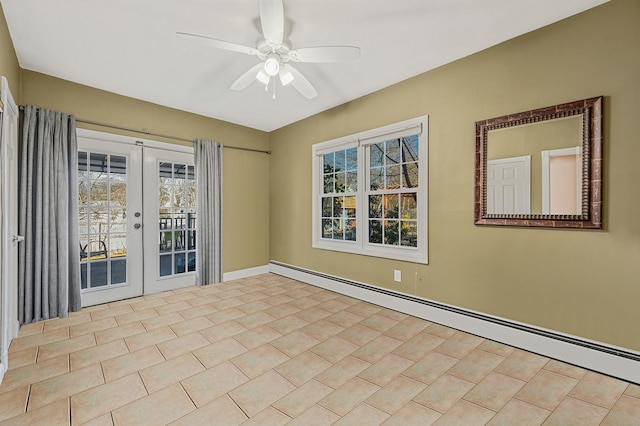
column 245, row 273
column 14, row 330
column 13, row 327
column 597, row 356
column 3, row 369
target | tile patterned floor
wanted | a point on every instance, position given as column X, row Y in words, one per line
column 268, row 350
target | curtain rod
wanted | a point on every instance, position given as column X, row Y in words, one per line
column 145, row 132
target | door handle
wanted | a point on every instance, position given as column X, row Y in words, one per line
column 17, row 238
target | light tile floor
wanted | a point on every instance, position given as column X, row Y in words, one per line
column 268, row 350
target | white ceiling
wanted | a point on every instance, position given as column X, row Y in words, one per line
column 129, row 47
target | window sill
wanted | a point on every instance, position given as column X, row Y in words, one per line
column 405, row 254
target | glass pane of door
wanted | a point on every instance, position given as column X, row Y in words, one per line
column 176, row 218
column 102, row 193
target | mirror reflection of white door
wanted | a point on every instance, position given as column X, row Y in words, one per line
column 562, row 181
column 509, row 185
column 110, row 206
column 9, row 238
column 169, row 220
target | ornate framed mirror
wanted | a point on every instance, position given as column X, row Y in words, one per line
column 541, row 167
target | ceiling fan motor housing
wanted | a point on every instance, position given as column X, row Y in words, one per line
column 272, row 64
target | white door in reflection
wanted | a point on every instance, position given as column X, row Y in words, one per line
column 509, row 185
column 169, row 220
column 109, row 197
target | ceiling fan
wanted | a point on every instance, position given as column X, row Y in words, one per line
column 275, row 52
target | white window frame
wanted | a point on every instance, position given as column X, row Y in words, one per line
column 419, row 254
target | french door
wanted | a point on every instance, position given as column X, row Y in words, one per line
column 110, row 215
column 137, row 218
column 169, row 221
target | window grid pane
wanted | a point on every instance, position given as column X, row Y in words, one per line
column 177, row 218
column 392, row 187
column 102, row 199
column 338, row 206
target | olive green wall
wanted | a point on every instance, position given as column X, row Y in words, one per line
column 580, row 282
column 9, row 66
column 245, row 174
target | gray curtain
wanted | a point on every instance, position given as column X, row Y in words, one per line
column 208, row 161
column 49, row 259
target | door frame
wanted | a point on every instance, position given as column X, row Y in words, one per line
column 9, row 324
column 143, row 143
column 546, row 175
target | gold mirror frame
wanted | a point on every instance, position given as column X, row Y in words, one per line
column 591, row 214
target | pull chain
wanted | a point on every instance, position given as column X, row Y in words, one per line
column 274, row 89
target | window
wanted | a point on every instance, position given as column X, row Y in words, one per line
column 370, row 192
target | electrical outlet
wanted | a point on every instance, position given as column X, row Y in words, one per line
column 397, row 275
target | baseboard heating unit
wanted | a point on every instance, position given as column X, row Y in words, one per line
column 603, row 358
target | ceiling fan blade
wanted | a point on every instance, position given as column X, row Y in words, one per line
column 301, row 84
column 247, row 78
column 220, row 44
column 272, row 19
column 325, row 54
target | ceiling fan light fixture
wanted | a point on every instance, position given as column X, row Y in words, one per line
column 263, row 77
column 272, row 65
column 285, row 76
